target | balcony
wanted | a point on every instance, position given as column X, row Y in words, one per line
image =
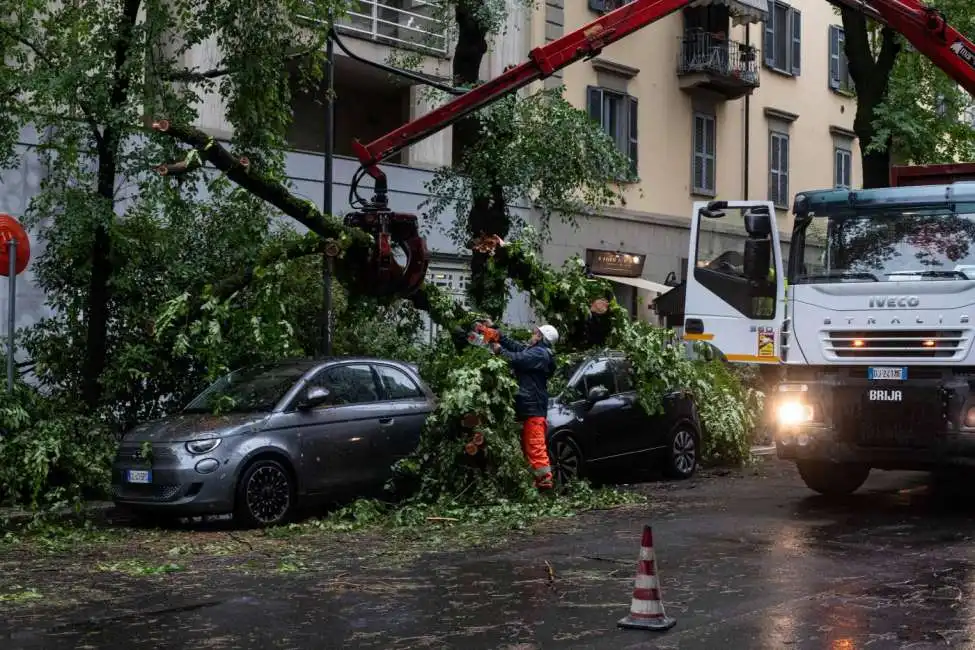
column 407, row 24
column 711, row 62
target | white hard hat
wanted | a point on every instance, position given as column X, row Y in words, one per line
column 549, row 333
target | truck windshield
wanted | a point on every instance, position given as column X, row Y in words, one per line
column 897, row 246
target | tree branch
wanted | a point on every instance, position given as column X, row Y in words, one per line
column 857, row 46
column 243, row 174
column 889, row 49
column 46, row 60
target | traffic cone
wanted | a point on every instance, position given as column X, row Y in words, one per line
column 647, row 608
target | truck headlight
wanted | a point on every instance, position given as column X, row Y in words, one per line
column 204, row 446
column 794, row 412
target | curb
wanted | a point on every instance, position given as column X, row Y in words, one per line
column 763, row 450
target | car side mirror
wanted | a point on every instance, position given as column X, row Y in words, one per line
column 597, row 394
column 314, row 397
column 758, row 259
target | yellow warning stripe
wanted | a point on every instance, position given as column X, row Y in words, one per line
column 751, row 357
column 699, row 337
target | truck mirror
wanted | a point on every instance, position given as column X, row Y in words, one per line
column 758, row 259
column 758, row 224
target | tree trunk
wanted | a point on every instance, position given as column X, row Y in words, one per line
column 871, row 77
column 487, row 215
column 99, row 284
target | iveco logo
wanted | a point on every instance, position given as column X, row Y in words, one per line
column 892, row 302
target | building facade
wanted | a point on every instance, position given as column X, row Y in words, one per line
column 732, row 99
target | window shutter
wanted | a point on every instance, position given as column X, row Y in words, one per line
column 633, row 132
column 837, row 168
column 834, row 57
column 796, row 20
column 768, row 43
column 594, row 104
column 710, row 149
column 784, row 169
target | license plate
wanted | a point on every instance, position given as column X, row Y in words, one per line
column 138, row 476
column 895, row 374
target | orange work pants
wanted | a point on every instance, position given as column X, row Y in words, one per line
column 536, row 451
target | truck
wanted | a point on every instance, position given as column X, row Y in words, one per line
column 867, row 324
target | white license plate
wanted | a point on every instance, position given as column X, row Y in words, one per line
column 138, row 476
column 895, row 374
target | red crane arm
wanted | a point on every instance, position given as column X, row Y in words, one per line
column 583, row 43
column 929, row 32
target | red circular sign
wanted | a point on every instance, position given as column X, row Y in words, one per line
column 10, row 228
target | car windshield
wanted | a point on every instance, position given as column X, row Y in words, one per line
column 250, row 390
column 898, row 246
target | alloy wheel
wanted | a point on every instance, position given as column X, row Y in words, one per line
column 567, row 461
column 684, row 452
column 268, row 494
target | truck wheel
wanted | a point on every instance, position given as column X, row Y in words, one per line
column 832, row 479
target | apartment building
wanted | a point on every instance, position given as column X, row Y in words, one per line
column 731, row 99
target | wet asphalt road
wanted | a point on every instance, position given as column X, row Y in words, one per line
column 747, row 560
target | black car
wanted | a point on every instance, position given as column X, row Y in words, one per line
column 288, row 431
column 597, row 426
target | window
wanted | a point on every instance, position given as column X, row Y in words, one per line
column 599, row 373
column 397, row 384
column 783, row 38
column 839, row 67
column 737, row 270
column 617, row 114
column 351, row 384
column 604, row 6
column 778, row 169
column 623, row 370
column 842, row 170
column 705, row 145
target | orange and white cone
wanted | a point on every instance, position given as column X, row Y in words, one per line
column 647, row 608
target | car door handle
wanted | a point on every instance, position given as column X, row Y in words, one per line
column 385, row 422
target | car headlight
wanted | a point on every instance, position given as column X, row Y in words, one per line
column 794, row 412
column 202, row 446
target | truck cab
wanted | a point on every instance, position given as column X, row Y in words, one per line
column 871, row 330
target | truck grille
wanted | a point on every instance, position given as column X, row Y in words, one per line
column 896, row 344
column 914, row 423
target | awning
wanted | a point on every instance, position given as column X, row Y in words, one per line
column 742, row 11
column 639, row 283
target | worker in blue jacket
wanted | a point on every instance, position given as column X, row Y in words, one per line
column 533, row 365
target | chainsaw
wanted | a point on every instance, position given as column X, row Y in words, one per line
column 482, row 334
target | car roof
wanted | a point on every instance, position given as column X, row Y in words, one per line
column 310, row 363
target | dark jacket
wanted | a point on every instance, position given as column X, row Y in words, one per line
column 533, row 365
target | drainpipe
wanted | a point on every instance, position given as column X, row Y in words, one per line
column 747, row 121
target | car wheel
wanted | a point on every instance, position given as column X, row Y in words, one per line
column 566, row 458
column 265, row 494
column 682, row 451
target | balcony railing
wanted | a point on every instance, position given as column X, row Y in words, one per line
column 704, row 52
column 414, row 24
